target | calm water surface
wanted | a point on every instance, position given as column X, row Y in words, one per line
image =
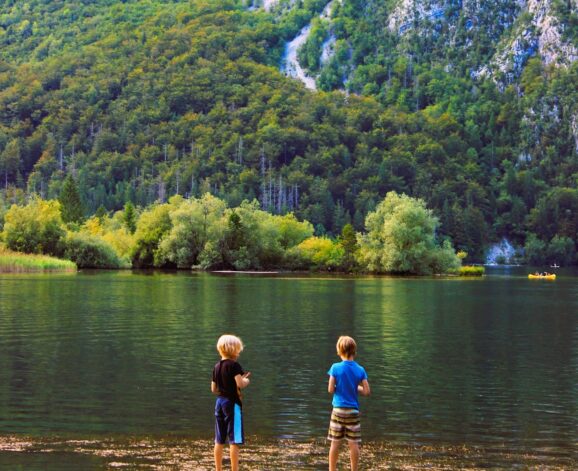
column 480, row 362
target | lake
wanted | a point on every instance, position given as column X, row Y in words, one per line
column 480, row 362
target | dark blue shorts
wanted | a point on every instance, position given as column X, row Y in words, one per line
column 228, row 422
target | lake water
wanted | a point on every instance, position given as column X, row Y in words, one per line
column 490, row 362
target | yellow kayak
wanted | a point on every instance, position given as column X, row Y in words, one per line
column 542, row 277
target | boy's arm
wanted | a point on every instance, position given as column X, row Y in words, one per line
column 331, row 385
column 363, row 388
column 214, row 388
column 242, row 380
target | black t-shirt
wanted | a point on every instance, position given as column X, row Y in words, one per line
column 224, row 377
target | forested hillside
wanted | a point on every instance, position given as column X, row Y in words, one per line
column 142, row 100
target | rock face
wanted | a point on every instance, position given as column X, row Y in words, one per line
column 519, row 29
column 410, row 12
column 540, row 33
column 269, row 4
column 548, row 28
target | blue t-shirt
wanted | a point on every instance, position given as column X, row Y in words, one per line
column 348, row 375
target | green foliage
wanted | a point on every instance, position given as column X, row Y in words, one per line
column 91, row 252
column 401, row 239
column 144, row 100
column 152, row 225
column 318, row 253
column 469, row 270
column 197, row 234
column 71, row 207
column 204, row 233
column 34, row 228
column 130, row 217
column 348, row 241
column 556, row 213
column 535, row 250
column 561, row 251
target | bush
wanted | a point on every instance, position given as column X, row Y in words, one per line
column 469, row 270
column 318, row 253
column 91, row 252
column 35, row 228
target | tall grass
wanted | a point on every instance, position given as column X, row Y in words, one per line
column 15, row 262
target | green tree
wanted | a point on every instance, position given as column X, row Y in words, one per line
column 129, row 217
column 561, row 251
column 348, row 241
column 535, row 250
column 70, row 203
column 401, row 239
column 35, row 228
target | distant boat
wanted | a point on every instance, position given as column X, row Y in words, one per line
column 549, row 276
column 554, row 266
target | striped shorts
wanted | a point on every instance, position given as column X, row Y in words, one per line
column 345, row 423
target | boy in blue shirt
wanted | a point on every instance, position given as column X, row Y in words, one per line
column 346, row 380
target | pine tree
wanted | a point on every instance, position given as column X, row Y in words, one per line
column 129, row 217
column 71, row 206
column 350, row 246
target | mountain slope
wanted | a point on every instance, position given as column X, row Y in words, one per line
column 142, row 100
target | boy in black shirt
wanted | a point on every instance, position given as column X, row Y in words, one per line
column 228, row 380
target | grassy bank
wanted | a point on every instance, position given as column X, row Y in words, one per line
column 14, row 262
column 258, row 455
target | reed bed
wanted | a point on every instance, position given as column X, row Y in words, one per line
column 15, row 262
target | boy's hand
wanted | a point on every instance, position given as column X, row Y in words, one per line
column 246, row 377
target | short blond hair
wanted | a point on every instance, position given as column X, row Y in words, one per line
column 346, row 346
column 229, row 346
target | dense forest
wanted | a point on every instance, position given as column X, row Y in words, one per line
column 139, row 101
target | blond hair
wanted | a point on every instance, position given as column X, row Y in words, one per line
column 229, row 346
column 346, row 346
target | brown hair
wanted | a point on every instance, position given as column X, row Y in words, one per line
column 346, row 346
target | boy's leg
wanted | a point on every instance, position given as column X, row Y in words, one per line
column 354, row 454
column 334, row 454
column 234, row 454
column 218, row 456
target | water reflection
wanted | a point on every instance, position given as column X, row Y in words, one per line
column 490, row 361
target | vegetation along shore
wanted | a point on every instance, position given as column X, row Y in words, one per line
column 14, row 262
column 204, row 233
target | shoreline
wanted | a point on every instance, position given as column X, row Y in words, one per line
column 132, row 452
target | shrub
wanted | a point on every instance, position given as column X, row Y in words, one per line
column 469, row 270
column 318, row 253
column 35, row 228
column 91, row 252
